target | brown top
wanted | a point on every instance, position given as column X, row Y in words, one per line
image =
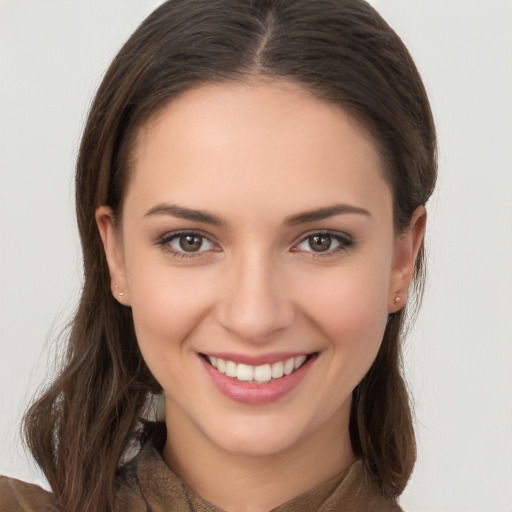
column 146, row 484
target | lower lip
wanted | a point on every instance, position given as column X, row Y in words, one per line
column 247, row 393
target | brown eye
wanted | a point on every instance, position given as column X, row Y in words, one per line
column 320, row 243
column 186, row 244
column 190, row 242
column 324, row 244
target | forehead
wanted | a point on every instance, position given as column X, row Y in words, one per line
column 269, row 141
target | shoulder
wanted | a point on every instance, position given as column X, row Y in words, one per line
column 358, row 492
column 18, row 496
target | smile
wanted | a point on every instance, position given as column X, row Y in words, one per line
column 268, row 380
column 261, row 374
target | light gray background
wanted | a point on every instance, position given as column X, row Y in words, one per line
column 459, row 356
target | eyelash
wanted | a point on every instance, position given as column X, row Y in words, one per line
column 345, row 243
column 164, row 243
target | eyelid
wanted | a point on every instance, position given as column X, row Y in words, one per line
column 345, row 242
column 164, row 240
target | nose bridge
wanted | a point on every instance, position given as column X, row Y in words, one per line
column 256, row 304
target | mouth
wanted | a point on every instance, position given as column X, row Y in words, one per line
column 260, row 374
column 267, row 380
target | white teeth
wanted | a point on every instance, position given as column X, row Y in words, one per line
column 277, row 370
column 288, row 366
column 221, row 365
column 244, row 372
column 257, row 374
column 263, row 373
column 299, row 361
column 231, row 369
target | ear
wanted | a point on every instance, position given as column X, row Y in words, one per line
column 407, row 246
column 113, row 247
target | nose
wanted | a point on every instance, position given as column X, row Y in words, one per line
column 255, row 304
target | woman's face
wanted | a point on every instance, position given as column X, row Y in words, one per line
column 257, row 240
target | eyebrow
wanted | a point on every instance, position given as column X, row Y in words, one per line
column 325, row 213
column 209, row 218
column 185, row 213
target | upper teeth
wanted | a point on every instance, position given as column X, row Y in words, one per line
column 258, row 374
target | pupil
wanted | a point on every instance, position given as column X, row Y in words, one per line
column 320, row 243
column 190, row 243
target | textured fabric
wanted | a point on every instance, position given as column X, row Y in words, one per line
column 17, row 496
column 146, row 484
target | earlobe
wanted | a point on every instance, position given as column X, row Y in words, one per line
column 113, row 251
column 407, row 247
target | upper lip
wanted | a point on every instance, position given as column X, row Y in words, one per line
column 256, row 360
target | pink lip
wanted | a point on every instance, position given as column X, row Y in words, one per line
column 247, row 393
column 256, row 360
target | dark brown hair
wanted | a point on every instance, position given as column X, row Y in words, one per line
column 341, row 51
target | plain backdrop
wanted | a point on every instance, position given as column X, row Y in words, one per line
column 459, row 356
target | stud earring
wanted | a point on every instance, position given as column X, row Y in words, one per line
column 118, row 292
column 397, row 299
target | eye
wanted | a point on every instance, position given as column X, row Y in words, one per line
column 186, row 243
column 323, row 243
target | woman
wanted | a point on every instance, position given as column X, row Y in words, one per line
column 251, row 191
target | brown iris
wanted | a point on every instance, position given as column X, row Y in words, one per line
column 190, row 243
column 320, row 243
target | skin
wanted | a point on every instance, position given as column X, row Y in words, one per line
column 254, row 155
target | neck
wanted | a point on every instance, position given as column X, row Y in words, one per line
column 257, row 483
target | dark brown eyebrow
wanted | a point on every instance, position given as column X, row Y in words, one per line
column 185, row 213
column 209, row 218
column 324, row 213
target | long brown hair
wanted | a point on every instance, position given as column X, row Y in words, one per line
column 341, row 51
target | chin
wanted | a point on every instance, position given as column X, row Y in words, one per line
column 256, row 437
column 256, row 446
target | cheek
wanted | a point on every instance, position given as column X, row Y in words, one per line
column 167, row 302
column 168, row 305
column 349, row 305
column 359, row 293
